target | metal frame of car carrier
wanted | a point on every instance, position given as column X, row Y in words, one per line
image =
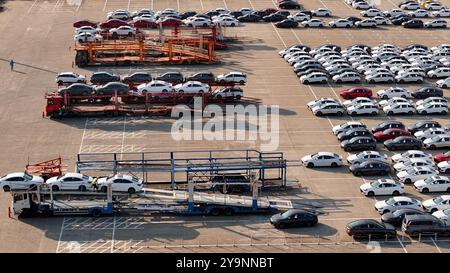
column 197, row 163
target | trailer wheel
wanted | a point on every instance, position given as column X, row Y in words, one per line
column 96, row 212
column 6, row 188
column 228, row 211
column 215, row 212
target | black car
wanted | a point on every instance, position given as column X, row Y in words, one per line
column 289, row 4
column 364, row 47
column 187, row 14
column 307, row 72
column 332, row 47
column 413, row 46
column 371, row 167
column 426, row 92
column 406, row 2
column 301, row 47
column 388, row 125
column 355, row 132
column 236, row 13
column 204, row 77
column 251, row 17
column 137, row 78
column 359, row 144
column 76, row 89
column 395, row 218
column 286, row 23
column 417, row 225
column 212, row 13
column 413, row 24
column 307, row 67
column 398, row 20
column 294, row 218
column 423, row 125
column 282, row 12
column 172, row 77
column 370, row 228
column 403, row 143
column 231, row 184
column 111, row 88
column 274, row 18
column 353, row 19
column 103, row 78
column 260, row 13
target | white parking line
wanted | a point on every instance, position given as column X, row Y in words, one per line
column 151, row 5
column 34, row 3
column 113, row 234
column 401, row 243
column 129, row 2
column 279, row 36
column 225, row 4
column 81, row 2
column 56, row 4
column 201, row 4
column 436, row 245
column 104, row 6
column 178, row 5
column 251, row 4
column 60, row 235
column 123, row 135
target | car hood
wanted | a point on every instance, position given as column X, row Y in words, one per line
column 51, row 180
column 388, row 142
column 444, row 164
column 352, row 157
column 381, row 92
column 311, row 103
column 428, row 140
column 396, row 157
column 402, row 174
column 336, row 128
column 380, row 204
column 428, row 203
column 178, row 86
column 365, row 186
column 389, row 226
column 378, row 134
column 275, row 218
column 387, row 217
column 420, row 183
column 306, row 158
column 399, row 165
column 439, row 214
column 343, row 143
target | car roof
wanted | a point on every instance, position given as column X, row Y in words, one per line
column 402, row 198
column 362, row 221
column 420, row 217
column 326, row 153
column 79, row 175
column 15, row 174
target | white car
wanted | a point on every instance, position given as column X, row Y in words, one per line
column 322, row 159
column 320, row 101
column 368, row 67
column 197, row 22
column 20, row 181
column 88, row 29
column 441, row 72
column 121, row 15
column 299, row 58
column 431, row 132
column 120, row 183
column 70, row 181
column 410, row 6
column 395, row 203
column 347, row 125
column 395, row 100
column 328, row 109
column 419, row 13
column 444, row 83
column 222, row 10
column 246, row 11
column 145, row 17
column 410, row 154
column 192, row 87
column 235, row 93
column 321, row 12
column 444, row 167
column 381, row 20
column 341, row 23
column 438, row 203
column 399, row 108
column 416, row 173
column 359, row 100
column 123, row 31
column 366, row 155
column 439, row 141
column 440, row 47
column 444, row 12
column 155, row 86
column 299, row 17
column 70, row 77
column 436, row 23
column 434, row 6
column 347, row 77
column 361, row 5
column 233, row 77
column 411, row 163
column 86, row 37
column 431, row 99
column 394, row 12
column 432, row 108
column 413, row 77
column 363, row 109
column 380, row 77
column 366, row 23
column 227, row 22
column 443, row 215
column 313, row 23
column 393, row 92
column 315, row 77
column 437, row 183
column 382, row 187
column 371, row 13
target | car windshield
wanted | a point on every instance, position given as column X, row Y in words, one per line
column 375, row 184
column 411, row 171
column 446, row 211
column 286, row 214
column 390, row 201
column 438, row 200
column 28, row 177
column 436, row 138
column 85, row 177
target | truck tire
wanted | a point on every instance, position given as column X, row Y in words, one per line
column 215, row 212
column 96, row 212
column 228, row 211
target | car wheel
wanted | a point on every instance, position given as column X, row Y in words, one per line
column 219, row 97
column 233, row 24
column 370, row 194
column 348, row 149
column 130, row 34
column 415, row 234
column 407, row 181
column 131, row 190
column 448, row 189
column 305, row 82
column 181, row 91
column 84, row 93
column 401, row 81
column 104, row 189
column 353, row 114
column 334, row 165
column 390, row 113
column 340, row 113
column 433, row 210
column 396, row 193
column 371, row 81
column 385, row 211
column 358, row 173
column 432, row 147
column 6, row 188
column 280, row 226
column 410, row 113
column 60, row 82
column 310, row 165
column 374, row 113
column 82, row 188
column 323, row 82
column 55, row 188
column 443, row 113
column 319, row 114
column 425, row 190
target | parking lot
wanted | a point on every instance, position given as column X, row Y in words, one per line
column 38, row 35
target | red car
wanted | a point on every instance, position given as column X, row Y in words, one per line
column 390, row 134
column 442, row 157
column 269, row 11
column 143, row 24
column 169, row 22
column 113, row 23
column 356, row 92
column 83, row 23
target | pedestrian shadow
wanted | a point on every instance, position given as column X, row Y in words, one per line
column 20, row 72
column 30, row 66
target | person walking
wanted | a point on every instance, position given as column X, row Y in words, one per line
column 11, row 64
column 94, row 183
